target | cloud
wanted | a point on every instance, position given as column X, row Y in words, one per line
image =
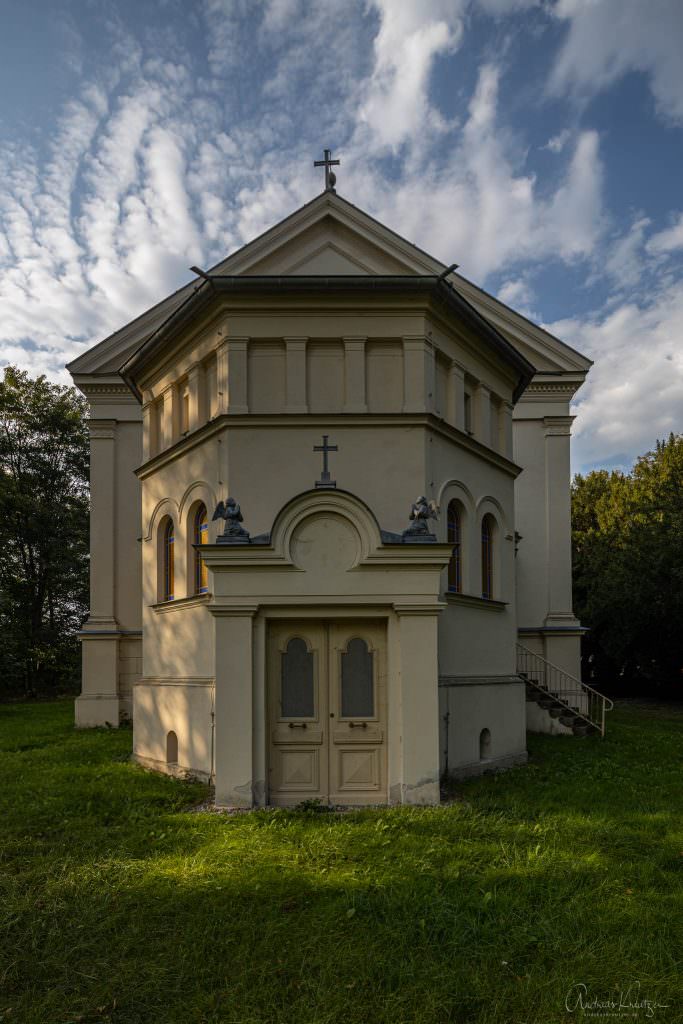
column 169, row 157
column 668, row 240
column 557, row 143
column 410, row 36
column 634, row 392
column 606, row 40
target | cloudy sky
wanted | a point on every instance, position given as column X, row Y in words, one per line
column 537, row 143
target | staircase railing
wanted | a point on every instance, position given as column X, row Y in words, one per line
column 577, row 697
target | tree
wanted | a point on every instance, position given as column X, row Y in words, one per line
column 627, row 533
column 43, row 532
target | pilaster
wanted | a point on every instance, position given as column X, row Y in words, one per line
column 506, row 430
column 232, row 376
column 148, row 440
column 557, row 430
column 195, row 390
column 419, row 696
column 455, row 401
column 234, row 716
column 482, row 414
column 168, row 417
column 418, row 374
column 354, row 375
column 295, row 375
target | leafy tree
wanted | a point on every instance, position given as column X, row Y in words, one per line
column 43, row 533
column 627, row 532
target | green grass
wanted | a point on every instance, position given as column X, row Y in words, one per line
column 119, row 904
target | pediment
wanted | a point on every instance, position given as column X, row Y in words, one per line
column 331, row 237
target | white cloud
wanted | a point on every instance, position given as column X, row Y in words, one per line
column 609, row 38
column 624, row 260
column 516, row 293
column 410, row 36
column 557, row 143
column 634, row 392
column 668, row 240
column 153, row 168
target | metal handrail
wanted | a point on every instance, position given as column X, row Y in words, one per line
column 560, row 685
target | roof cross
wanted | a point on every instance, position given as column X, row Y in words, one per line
column 325, row 448
column 328, row 163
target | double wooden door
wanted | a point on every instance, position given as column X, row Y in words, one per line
column 327, row 712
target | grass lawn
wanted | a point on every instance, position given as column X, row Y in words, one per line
column 118, row 903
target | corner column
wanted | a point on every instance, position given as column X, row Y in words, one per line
column 561, row 650
column 99, row 702
column 234, row 721
column 419, row 697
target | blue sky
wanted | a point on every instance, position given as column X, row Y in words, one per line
column 537, row 143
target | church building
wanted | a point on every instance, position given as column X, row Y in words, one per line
column 330, row 485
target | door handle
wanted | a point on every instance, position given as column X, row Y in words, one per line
column 297, row 725
column 358, row 725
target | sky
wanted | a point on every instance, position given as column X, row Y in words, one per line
column 536, row 143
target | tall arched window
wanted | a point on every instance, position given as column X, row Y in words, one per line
column 201, row 536
column 168, row 581
column 455, row 540
column 487, row 528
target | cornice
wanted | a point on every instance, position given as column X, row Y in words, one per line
column 278, row 420
column 544, row 391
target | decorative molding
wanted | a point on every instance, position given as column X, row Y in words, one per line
column 168, row 681
column 550, row 391
column 558, row 426
column 447, row 681
column 102, row 430
column 181, row 602
column 107, row 389
column 477, row 602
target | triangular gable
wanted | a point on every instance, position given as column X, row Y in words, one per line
column 331, row 236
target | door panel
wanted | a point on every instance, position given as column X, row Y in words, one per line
column 327, row 712
column 358, row 700
column 297, row 673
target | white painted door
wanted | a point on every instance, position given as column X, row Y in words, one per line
column 327, row 712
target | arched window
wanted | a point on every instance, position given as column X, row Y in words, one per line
column 455, row 540
column 168, row 553
column 201, row 536
column 487, row 530
column 171, row 748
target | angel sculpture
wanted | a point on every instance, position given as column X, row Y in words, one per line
column 232, row 514
column 420, row 514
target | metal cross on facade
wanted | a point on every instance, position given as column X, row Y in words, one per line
column 325, row 448
column 328, row 163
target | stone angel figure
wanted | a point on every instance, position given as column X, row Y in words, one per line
column 420, row 514
column 232, row 514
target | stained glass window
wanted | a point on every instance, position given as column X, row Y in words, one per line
column 297, row 691
column 169, row 566
column 454, row 539
column 487, row 557
column 357, row 690
column 201, row 536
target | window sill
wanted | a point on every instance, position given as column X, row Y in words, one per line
column 476, row 602
column 181, row 602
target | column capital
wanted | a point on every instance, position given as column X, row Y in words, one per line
column 558, row 426
column 102, row 430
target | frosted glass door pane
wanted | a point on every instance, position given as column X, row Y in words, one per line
column 357, row 695
column 297, row 696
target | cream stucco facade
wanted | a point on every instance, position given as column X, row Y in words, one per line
column 329, row 324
